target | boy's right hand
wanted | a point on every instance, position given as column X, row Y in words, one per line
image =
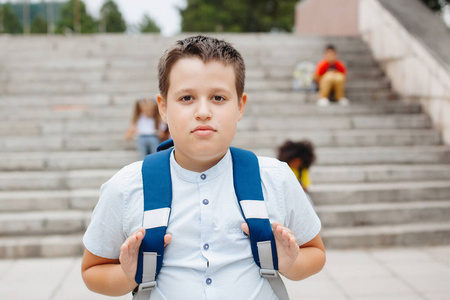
column 129, row 252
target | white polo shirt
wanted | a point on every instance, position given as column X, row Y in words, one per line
column 209, row 256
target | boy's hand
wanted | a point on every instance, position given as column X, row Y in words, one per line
column 287, row 248
column 129, row 252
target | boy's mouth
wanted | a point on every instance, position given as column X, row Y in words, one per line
column 203, row 130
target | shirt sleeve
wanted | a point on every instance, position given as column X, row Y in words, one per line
column 300, row 216
column 321, row 68
column 341, row 67
column 105, row 233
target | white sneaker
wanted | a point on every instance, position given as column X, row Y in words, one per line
column 323, row 102
column 344, row 102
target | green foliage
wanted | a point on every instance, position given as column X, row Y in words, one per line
column 148, row 25
column 238, row 15
column 39, row 25
column 87, row 23
column 112, row 20
column 10, row 21
column 435, row 5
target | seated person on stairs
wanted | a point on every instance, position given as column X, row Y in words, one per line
column 330, row 76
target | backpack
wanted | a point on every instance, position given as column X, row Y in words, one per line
column 157, row 185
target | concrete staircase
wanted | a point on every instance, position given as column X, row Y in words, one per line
column 382, row 176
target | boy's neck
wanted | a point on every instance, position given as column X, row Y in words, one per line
column 196, row 165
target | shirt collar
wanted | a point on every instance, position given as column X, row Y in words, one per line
column 191, row 176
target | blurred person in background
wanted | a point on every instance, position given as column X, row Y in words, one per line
column 299, row 156
column 330, row 76
column 147, row 124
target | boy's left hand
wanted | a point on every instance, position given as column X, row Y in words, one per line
column 287, row 248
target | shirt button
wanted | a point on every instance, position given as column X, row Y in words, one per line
column 203, row 176
column 205, row 201
column 206, row 246
column 208, row 281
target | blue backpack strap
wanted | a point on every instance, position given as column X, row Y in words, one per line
column 157, row 186
column 248, row 188
column 247, row 184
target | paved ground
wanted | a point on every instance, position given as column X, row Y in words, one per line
column 382, row 274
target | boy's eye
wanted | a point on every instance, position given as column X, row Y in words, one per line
column 218, row 98
column 186, row 98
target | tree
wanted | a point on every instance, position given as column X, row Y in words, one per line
column 148, row 25
column 10, row 21
column 111, row 18
column 87, row 23
column 39, row 25
column 238, row 15
column 436, row 5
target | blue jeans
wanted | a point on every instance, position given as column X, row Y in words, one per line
column 147, row 144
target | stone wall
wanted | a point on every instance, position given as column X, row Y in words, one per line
column 410, row 42
column 327, row 17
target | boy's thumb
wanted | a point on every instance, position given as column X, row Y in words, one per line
column 244, row 227
column 167, row 239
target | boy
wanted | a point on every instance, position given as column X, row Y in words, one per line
column 207, row 254
column 330, row 75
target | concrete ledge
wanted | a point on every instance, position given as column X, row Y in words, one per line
column 412, row 46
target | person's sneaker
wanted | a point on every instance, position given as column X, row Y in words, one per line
column 344, row 102
column 323, row 102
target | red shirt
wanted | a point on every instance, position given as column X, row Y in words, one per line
column 323, row 66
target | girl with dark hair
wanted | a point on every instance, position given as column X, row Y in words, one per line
column 299, row 156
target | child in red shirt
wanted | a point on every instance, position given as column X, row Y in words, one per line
column 331, row 75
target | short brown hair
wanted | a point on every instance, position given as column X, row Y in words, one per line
column 207, row 49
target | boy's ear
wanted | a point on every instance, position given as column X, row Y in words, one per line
column 241, row 105
column 162, row 107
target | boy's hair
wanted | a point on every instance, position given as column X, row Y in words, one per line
column 330, row 47
column 303, row 149
column 207, row 49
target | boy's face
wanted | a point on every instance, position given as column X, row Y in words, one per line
column 202, row 109
column 330, row 56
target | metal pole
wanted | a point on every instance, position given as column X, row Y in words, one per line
column 102, row 24
column 76, row 17
column 26, row 17
column 50, row 18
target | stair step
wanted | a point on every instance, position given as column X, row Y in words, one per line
column 291, row 106
column 71, row 180
column 374, row 155
column 339, row 138
column 416, row 234
column 89, row 142
column 343, row 194
column 377, row 214
column 261, row 123
column 38, row 200
column 379, row 173
column 43, row 223
column 39, row 161
column 41, row 246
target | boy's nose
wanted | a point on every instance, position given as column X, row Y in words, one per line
column 203, row 111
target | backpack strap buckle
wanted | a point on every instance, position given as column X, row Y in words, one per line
column 147, row 286
column 268, row 273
